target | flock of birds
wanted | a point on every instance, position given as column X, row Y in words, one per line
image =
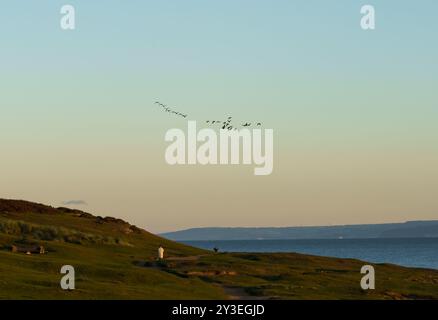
column 224, row 124
column 169, row 110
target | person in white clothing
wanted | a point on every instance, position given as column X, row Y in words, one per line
column 160, row 253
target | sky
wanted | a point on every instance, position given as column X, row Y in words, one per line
column 354, row 112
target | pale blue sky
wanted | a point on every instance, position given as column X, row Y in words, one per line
column 352, row 109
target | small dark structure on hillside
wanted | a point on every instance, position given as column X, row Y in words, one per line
column 28, row 249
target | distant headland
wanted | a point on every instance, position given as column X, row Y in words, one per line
column 410, row 229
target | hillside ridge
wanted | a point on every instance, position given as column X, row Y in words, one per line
column 9, row 206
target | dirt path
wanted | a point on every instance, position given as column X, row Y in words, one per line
column 233, row 293
column 187, row 258
column 240, row 294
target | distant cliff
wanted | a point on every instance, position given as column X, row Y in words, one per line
column 411, row 229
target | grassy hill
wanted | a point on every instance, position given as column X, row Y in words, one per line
column 116, row 260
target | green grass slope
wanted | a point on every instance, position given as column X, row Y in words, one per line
column 115, row 260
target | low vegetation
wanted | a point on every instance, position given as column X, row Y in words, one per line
column 53, row 233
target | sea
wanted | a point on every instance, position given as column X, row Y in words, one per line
column 409, row 252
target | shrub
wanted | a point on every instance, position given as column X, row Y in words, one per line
column 52, row 233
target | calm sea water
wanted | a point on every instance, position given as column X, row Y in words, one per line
column 406, row 252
